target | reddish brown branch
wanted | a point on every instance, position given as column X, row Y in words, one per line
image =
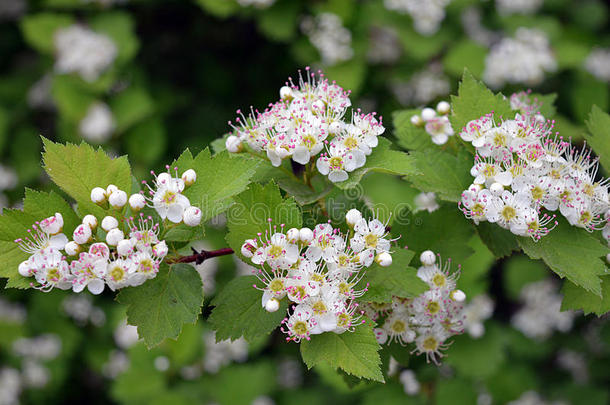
column 200, row 257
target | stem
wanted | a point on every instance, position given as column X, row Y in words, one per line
column 200, row 257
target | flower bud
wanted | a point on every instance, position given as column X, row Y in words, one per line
column 114, row 237
column 384, row 259
column 286, row 92
column 249, row 247
column 189, row 177
column 305, row 235
column 443, row 108
column 160, row 249
column 458, row 295
column 117, row 199
column 72, row 248
column 427, row 114
column 496, row 189
column 111, row 189
column 352, row 217
column 98, row 195
column 90, row 221
column 52, row 225
column 124, row 247
column 292, row 235
column 417, row 120
column 476, row 330
column 109, row 223
column 137, row 202
column 233, row 144
column 191, row 216
column 25, row 268
column 272, row 305
column 427, row 258
column 82, row 234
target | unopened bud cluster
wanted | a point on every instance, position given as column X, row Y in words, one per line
column 435, row 122
column 427, row 320
column 318, row 271
column 523, row 170
column 307, row 121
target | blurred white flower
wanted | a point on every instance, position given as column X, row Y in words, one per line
column 8, row 178
column 598, row 64
column 507, row 7
column 219, row 354
column 98, row 125
column 125, row 335
column 427, row 15
column 83, row 51
column 290, row 373
column 524, row 59
column 12, row 312
column 34, row 374
column 80, row 308
column 207, row 270
column 39, row 95
column 409, row 382
column 476, row 312
column 43, row 347
column 117, row 363
column 10, row 386
column 423, row 87
column 327, row 34
column 426, row 202
column 384, row 45
column 256, row 3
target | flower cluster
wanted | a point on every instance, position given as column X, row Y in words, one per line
column 423, row 86
column 83, row 51
column 541, row 313
column 427, row 14
column 522, row 59
column 119, row 262
column 327, row 34
column 307, row 120
column 435, row 122
column 384, row 45
column 317, row 270
column 428, row 319
column 522, row 169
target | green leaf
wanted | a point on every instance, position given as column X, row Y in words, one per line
column 500, row 242
column 356, row 352
column 130, row 107
column 238, row 311
column 572, row 253
column 77, row 169
column 478, row 358
column 465, row 54
column 39, row 29
column 585, row 92
column 279, row 22
column 599, row 127
column 146, row 141
column 474, row 100
column 455, row 391
column 119, row 26
column 578, row 298
column 473, row 277
column 219, row 8
column 219, row 179
column 439, row 171
column 254, row 380
column 40, row 204
column 408, row 135
column 445, row 231
column 302, row 193
column 71, row 97
column 252, row 210
column 384, row 160
column 160, row 306
column 396, row 280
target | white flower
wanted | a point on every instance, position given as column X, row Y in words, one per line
column 51, row 269
column 338, row 162
column 329, row 37
column 369, row 239
column 81, row 50
column 98, row 125
column 89, row 271
column 168, row 200
column 426, row 201
column 278, row 252
column 119, row 273
column 598, row 64
column 52, row 225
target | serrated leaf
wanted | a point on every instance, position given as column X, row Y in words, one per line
column 252, row 209
column 572, row 253
column 40, row 204
column 474, row 100
column 301, row 192
column 39, row 29
column 599, row 139
column 160, row 306
column 219, row 178
column 500, row 241
column 445, row 231
column 439, row 171
column 396, row 280
column 408, row 135
column 356, row 352
column 77, row 169
column 238, row 311
column 578, row 298
column 384, row 160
